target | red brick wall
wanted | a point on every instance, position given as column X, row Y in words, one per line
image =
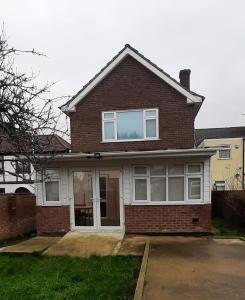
column 53, row 219
column 167, row 218
column 17, row 215
column 130, row 86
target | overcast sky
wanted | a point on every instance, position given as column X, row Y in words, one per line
column 80, row 37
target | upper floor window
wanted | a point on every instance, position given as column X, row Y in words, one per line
column 225, row 152
column 132, row 125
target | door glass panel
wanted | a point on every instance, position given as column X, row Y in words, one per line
column 109, row 198
column 83, row 198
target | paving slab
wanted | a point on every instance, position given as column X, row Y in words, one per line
column 36, row 244
column 133, row 245
column 86, row 244
column 181, row 268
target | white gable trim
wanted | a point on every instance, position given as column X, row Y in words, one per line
column 190, row 97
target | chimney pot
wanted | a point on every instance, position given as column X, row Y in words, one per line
column 184, row 77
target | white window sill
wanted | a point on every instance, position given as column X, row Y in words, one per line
column 49, row 203
column 194, row 202
column 122, row 141
column 224, row 158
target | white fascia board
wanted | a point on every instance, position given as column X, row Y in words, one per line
column 190, row 97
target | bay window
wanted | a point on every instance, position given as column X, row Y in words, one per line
column 175, row 183
column 130, row 125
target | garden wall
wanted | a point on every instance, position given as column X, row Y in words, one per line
column 229, row 205
column 17, row 215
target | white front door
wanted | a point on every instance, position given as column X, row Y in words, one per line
column 96, row 200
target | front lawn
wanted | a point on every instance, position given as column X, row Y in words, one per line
column 222, row 229
column 31, row 277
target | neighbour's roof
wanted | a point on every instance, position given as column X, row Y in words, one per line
column 219, row 133
column 128, row 50
column 48, row 143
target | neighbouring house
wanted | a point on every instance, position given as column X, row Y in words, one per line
column 17, row 175
column 133, row 166
column 227, row 165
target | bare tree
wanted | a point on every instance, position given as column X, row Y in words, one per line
column 233, row 178
column 26, row 109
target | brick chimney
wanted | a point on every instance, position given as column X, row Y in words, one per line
column 184, row 78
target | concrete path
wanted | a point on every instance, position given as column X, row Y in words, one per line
column 86, row 244
column 181, row 268
column 133, row 245
column 36, row 244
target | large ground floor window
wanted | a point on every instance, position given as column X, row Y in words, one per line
column 173, row 183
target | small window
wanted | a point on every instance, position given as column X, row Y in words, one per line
column 140, row 170
column 225, row 152
column 194, row 188
column 52, row 173
column 140, row 189
column 219, row 185
column 2, row 191
column 52, row 191
column 158, row 170
column 176, row 170
column 194, row 169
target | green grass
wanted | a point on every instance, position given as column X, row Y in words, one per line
column 32, row 277
column 222, row 229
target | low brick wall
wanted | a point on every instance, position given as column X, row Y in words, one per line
column 167, row 218
column 53, row 219
column 17, row 215
column 229, row 205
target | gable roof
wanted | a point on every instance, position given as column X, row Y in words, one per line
column 48, row 143
column 219, row 133
column 70, row 105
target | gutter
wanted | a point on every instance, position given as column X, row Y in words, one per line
column 135, row 154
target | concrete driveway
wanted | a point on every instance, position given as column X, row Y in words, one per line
column 182, row 268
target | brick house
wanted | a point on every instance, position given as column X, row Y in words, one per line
column 133, row 166
column 17, row 175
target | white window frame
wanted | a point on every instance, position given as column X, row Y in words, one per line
column 194, row 175
column 224, row 147
column 114, row 121
column 220, row 183
column 51, row 179
column 185, row 175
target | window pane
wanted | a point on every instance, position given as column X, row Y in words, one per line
column 140, row 189
column 158, row 170
column 176, row 170
column 52, row 173
column 158, row 189
column 140, row 170
column 130, row 125
column 194, row 168
column 108, row 115
column 194, row 188
column 151, row 129
column 109, row 130
column 176, row 189
column 52, row 190
column 150, row 113
column 224, row 153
